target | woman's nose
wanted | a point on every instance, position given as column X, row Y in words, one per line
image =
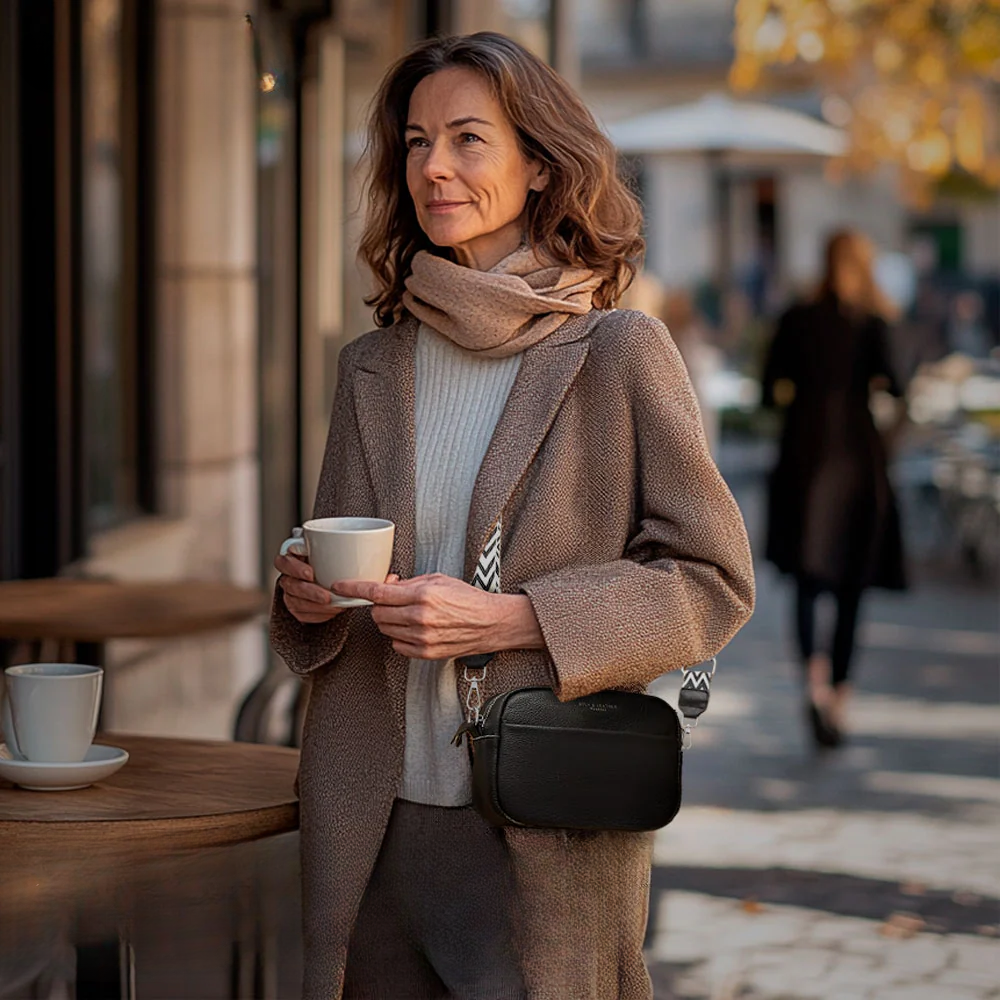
column 437, row 163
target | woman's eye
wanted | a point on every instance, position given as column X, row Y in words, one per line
column 470, row 137
column 415, row 142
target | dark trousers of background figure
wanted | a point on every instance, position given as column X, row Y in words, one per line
column 841, row 651
column 436, row 919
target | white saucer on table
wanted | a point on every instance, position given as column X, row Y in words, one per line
column 100, row 763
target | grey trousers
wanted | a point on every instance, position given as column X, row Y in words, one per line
column 435, row 921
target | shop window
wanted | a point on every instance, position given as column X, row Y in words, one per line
column 113, row 283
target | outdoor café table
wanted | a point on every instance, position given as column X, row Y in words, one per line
column 96, row 854
column 87, row 613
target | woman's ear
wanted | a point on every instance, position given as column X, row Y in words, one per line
column 540, row 180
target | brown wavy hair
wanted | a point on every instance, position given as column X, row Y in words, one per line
column 586, row 216
column 851, row 247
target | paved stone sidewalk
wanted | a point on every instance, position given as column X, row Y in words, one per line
column 791, row 952
column 871, row 872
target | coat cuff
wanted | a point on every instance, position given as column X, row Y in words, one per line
column 306, row 648
column 579, row 664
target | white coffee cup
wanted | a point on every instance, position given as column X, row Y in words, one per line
column 50, row 713
column 344, row 548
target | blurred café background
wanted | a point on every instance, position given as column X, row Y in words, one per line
column 180, row 199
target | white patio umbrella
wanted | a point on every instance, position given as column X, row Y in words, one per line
column 723, row 130
column 717, row 123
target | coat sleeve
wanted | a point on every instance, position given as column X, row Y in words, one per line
column 880, row 357
column 344, row 488
column 778, row 363
column 684, row 585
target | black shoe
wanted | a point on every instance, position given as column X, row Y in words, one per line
column 824, row 733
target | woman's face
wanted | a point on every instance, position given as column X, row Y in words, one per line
column 465, row 170
column 851, row 273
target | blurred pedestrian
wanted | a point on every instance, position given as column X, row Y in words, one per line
column 501, row 391
column 968, row 333
column 832, row 516
column 690, row 333
column 703, row 359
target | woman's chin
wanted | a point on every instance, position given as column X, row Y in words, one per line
column 446, row 237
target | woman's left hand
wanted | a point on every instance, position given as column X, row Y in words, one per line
column 437, row 617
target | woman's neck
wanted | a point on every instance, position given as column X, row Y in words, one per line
column 485, row 252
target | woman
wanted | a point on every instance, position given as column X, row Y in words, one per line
column 832, row 520
column 498, row 386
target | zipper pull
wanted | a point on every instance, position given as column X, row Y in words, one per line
column 472, row 728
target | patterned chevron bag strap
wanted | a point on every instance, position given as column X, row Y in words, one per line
column 486, row 577
column 696, row 687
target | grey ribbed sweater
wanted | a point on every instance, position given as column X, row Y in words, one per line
column 459, row 399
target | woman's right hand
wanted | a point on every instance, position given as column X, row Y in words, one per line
column 306, row 600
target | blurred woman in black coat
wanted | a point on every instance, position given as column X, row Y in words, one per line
column 832, row 517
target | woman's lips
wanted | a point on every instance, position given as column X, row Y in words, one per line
column 443, row 207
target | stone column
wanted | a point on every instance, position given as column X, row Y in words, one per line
column 206, row 366
column 680, row 231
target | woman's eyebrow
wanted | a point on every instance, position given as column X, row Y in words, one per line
column 457, row 123
column 469, row 120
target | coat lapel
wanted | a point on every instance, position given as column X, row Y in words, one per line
column 547, row 372
column 384, row 402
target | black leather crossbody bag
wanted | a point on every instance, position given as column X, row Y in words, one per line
column 607, row 761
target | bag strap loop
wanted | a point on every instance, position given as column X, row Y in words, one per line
column 696, row 688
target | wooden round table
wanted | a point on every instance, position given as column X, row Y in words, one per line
column 171, row 800
column 74, row 610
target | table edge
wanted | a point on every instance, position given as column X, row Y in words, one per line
column 217, row 829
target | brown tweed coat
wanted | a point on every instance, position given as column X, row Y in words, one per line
column 621, row 531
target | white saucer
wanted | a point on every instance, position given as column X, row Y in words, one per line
column 349, row 602
column 100, row 763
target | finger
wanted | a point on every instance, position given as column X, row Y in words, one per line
column 404, row 632
column 392, row 578
column 323, row 611
column 308, row 607
column 377, row 593
column 307, row 618
column 423, row 651
column 412, row 650
column 303, row 591
column 289, row 565
column 396, row 614
column 308, row 615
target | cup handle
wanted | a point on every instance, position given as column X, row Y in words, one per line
column 296, row 544
column 9, row 734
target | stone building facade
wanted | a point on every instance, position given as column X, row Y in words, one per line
column 178, row 273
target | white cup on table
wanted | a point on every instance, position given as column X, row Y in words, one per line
column 50, row 711
column 344, row 548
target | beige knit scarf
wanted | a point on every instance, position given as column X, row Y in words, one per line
column 499, row 312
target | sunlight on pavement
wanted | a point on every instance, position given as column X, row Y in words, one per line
column 788, row 951
column 898, row 846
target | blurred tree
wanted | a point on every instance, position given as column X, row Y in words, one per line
column 912, row 81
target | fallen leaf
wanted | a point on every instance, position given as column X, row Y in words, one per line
column 966, row 898
column 902, row 925
column 912, row 888
column 750, row 905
